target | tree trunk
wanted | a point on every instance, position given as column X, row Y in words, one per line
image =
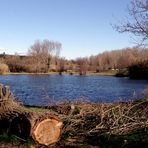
column 44, row 128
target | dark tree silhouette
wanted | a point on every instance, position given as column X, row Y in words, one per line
column 137, row 22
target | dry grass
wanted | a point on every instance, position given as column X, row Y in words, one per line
column 4, row 69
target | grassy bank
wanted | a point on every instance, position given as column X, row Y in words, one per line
column 120, row 124
column 106, row 73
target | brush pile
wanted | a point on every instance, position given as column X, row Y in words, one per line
column 115, row 124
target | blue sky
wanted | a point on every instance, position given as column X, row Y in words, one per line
column 82, row 26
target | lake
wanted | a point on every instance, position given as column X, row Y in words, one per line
column 44, row 89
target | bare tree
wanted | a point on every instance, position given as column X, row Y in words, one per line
column 61, row 65
column 137, row 22
column 82, row 65
column 42, row 51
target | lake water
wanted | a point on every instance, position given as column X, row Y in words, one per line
column 44, row 89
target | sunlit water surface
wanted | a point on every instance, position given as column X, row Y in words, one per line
column 44, row 89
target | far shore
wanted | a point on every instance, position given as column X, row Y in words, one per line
column 107, row 73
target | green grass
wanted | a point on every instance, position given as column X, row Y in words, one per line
column 36, row 109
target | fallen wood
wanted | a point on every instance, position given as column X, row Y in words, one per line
column 44, row 128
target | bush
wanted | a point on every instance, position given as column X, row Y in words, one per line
column 18, row 67
column 139, row 70
column 4, row 68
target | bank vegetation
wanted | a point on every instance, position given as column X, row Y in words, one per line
column 40, row 60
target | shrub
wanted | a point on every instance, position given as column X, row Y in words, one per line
column 4, row 68
column 18, row 67
column 139, row 70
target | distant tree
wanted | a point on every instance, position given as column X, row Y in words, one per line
column 93, row 64
column 137, row 22
column 139, row 70
column 61, row 65
column 14, row 63
column 106, row 60
column 82, row 65
column 42, row 51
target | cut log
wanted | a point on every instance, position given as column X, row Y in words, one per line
column 47, row 130
column 44, row 128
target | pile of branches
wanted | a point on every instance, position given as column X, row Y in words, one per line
column 97, row 124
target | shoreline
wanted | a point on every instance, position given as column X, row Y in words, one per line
column 67, row 73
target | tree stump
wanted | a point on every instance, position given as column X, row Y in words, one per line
column 44, row 128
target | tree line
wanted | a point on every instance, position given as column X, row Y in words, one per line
column 44, row 57
column 112, row 60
